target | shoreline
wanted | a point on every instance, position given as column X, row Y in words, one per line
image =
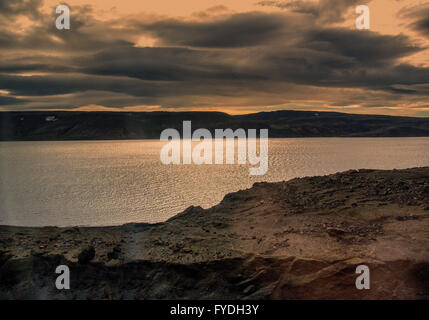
column 63, row 126
column 270, row 138
column 299, row 239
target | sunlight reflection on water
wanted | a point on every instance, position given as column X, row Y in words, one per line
column 114, row 182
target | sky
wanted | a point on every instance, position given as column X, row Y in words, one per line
column 235, row 56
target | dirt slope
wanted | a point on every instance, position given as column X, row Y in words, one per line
column 300, row 239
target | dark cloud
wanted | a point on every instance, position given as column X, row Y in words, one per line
column 315, row 57
column 5, row 100
column 12, row 8
column 420, row 16
column 87, row 33
column 245, row 59
column 323, row 10
column 35, row 64
column 238, row 30
column 368, row 48
column 423, row 25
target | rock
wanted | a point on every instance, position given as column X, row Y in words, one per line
column 187, row 250
column 113, row 263
column 114, row 254
column 158, row 242
column 72, row 230
column 248, row 289
column 86, row 255
column 336, row 232
column 405, row 218
column 175, row 247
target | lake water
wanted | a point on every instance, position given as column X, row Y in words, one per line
column 114, row 182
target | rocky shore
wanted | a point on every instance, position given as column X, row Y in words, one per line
column 300, row 239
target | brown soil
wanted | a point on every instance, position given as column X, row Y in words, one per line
column 300, row 239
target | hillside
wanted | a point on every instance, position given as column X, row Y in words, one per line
column 68, row 125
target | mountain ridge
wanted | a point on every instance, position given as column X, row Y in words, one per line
column 102, row 125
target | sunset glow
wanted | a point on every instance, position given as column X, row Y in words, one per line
column 237, row 57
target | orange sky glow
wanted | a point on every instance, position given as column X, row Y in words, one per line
column 162, row 55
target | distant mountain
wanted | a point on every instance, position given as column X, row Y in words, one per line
column 69, row 125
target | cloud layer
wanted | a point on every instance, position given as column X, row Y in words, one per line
column 296, row 57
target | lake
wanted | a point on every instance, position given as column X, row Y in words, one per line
column 98, row 183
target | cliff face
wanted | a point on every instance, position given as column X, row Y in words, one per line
column 301, row 239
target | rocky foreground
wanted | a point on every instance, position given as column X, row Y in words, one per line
column 300, row 239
